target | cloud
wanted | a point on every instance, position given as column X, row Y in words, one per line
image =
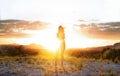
column 14, row 35
column 16, row 28
column 103, row 30
column 81, row 20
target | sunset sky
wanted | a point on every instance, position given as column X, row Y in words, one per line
column 70, row 14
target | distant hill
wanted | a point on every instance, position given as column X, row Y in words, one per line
column 117, row 45
column 104, row 52
column 100, row 48
column 114, row 46
column 22, row 50
column 34, row 49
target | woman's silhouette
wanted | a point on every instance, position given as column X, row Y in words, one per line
column 61, row 37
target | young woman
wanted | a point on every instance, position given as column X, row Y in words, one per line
column 61, row 37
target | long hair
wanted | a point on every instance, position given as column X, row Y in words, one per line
column 61, row 29
column 60, row 33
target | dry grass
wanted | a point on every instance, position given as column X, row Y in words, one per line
column 45, row 66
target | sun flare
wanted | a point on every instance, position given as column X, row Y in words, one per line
column 48, row 39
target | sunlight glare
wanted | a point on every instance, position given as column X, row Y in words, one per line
column 47, row 38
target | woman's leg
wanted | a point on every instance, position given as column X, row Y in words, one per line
column 62, row 51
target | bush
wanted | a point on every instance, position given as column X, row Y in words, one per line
column 18, row 50
column 111, row 54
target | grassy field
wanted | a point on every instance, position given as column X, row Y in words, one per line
column 45, row 66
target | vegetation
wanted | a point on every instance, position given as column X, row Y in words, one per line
column 33, row 49
column 105, row 53
column 20, row 50
column 84, row 53
column 111, row 54
column 34, row 60
column 45, row 66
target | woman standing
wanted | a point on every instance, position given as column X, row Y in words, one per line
column 61, row 37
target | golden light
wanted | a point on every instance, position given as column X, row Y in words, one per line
column 50, row 42
column 47, row 38
column 73, row 40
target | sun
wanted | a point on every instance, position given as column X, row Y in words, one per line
column 52, row 45
column 47, row 38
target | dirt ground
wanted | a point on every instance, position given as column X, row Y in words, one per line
column 43, row 67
